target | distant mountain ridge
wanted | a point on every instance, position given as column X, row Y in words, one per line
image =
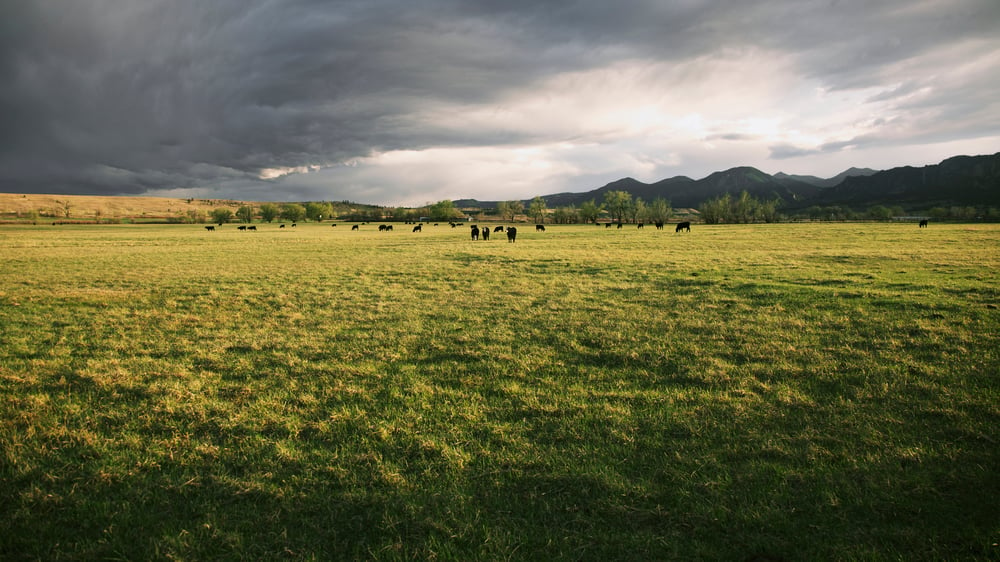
column 960, row 180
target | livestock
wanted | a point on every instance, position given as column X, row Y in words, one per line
column 241, row 227
column 923, row 223
column 355, row 227
column 293, row 225
column 281, row 226
column 475, row 232
column 253, row 228
column 498, row 229
column 210, row 228
column 539, row 228
column 417, row 228
column 485, row 232
column 659, row 225
column 383, row 227
column 640, row 225
column 619, row 225
column 683, row 226
column 511, row 233
column 607, row 225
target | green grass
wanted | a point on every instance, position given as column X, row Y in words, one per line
column 793, row 391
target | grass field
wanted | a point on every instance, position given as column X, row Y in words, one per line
column 761, row 392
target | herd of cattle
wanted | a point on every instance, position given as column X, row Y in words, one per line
column 475, row 230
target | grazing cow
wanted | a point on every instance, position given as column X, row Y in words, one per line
column 281, row 226
column 498, row 229
column 355, row 227
column 475, row 232
column 241, row 227
column 210, row 228
column 334, row 225
column 659, row 225
column 253, row 228
column 923, row 223
column 293, row 225
column 640, row 225
column 683, row 226
column 511, row 233
column 539, row 228
column 607, row 225
column 485, row 232
column 383, row 227
column 417, row 228
column 619, row 225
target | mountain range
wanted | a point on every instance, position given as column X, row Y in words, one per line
column 960, row 180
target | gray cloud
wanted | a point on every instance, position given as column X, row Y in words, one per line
column 159, row 96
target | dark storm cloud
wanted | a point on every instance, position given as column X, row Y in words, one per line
column 126, row 96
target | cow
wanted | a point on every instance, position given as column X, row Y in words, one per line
column 923, row 223
column 417, row 228
column 619, row 225
column 210, row 228
column 659, row 225
column 683, row 226
column 253, row 228
column 293, row 225
column 511, row 233
column 640, row 225
column 485, row 232
column 539, row 228
column 383, row 227
column 355, row 227
column 241, row 227
column 474, row 230
column 282, row 226
column 498, row 229
column 607, row 225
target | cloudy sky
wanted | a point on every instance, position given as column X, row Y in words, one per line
column 404, row 102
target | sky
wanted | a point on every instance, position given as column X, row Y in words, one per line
column 404, row 103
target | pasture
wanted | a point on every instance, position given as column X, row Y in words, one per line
column 739, row 392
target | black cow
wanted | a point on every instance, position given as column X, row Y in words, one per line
column 474, row 231
column 498, row 229
column 923, row 223
column 659, row 225
column 539, row 228
column 241, row 227
column 417, row 228
column 253, row 228
column 607, row 225
column 210, row 227
column 293, row 225
column 683, row 226
column 511, row 233
column 640, row 225
column 282, row 226
column 355, row 227
column 485, row 232
column 619, row 225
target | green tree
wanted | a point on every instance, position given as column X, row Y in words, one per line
column 537, row 210
column 510, row 209
column 659, row 210
column 566, row 215
column 744, row 209
column 316, row 211
column 221, row 215
column 443, row 211
column 618, row 203
column 590, row 211
column 716, row 210
column 879, row 212
column 245, row 213
column 269, row 212
column 293, row 212
column 638, row 210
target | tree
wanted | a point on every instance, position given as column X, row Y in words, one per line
column 443, row 211
column 293, row 212
column 566, row 215
column 879, row 212
column 510, row 209
column 618, row 204
column 316, row 211
column 590, row 211
column 537, row 209
column 637, row 210
column 659, row 210
column 716, row 210
column 245, row 213
column 221, row 215
column 269, row 212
